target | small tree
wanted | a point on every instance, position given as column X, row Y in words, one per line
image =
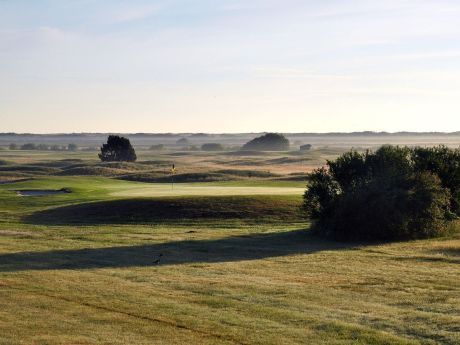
column 212, row 147
column 57, row 148
column 29, row 146
column 117, row 149
column 72, row 147
column 42, row 147
column 13, row 146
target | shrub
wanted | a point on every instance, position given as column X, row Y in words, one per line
column 57, row 148
column 72, row 147
column 117, row 149
column 13, row 146
column 306, row 147
column 384, row 195
column 157, row 147
column 42, row 147
column 29, row 146
column 268, row 142
column 445, row 163
column 212, row 147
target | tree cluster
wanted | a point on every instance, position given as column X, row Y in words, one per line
column 393, row 193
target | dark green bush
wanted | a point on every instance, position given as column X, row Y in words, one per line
column 268, row 142
column 212, row 147
column 29, row 146
column 445, row 163
column 117, row 149
column 393, row 193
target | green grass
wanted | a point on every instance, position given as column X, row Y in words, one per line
column 79, row 268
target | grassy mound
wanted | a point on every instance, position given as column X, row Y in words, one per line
column 250, row 209
column 301, row 177
column 246, row 153
column 160, row 177
column 39, row 170
column 62, row 163
column 123, row 166
column 247, row 173
column 90, row 171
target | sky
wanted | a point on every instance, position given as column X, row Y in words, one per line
column 229, row 65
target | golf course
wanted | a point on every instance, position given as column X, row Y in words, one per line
column 106, row 259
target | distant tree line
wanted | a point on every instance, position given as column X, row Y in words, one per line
column 392, row 193
column 43, row 147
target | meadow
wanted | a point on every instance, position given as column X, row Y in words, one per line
column 238, row 262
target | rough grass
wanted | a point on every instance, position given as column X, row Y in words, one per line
column 193, row 177
column 185, row 210
column 247, row 173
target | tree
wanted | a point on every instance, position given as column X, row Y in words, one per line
column 445, row 163
column 29, row 146
column 117, row 149
column 72, row 147
column 13, row 146
column 268, row 142
column 389, row 194
column 212, row 147
column 42, row 147
column 57, row 148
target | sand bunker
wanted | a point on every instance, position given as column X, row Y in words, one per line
column 41, row 192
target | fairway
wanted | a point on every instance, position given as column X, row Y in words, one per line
column 160, row 190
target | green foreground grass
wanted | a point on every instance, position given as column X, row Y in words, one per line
column 223, row 279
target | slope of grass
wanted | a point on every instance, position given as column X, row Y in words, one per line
column 247, row 209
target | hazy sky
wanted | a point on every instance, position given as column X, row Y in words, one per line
column 229, row 65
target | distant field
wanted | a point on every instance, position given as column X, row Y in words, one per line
column 238, row 264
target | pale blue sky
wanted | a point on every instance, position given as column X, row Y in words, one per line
column 229, row 66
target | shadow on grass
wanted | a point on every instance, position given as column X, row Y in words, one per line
column 251, row 209
column 230, row 249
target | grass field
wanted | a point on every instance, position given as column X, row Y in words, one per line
column 239, row 266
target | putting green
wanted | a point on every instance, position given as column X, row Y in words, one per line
column 181, row 189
